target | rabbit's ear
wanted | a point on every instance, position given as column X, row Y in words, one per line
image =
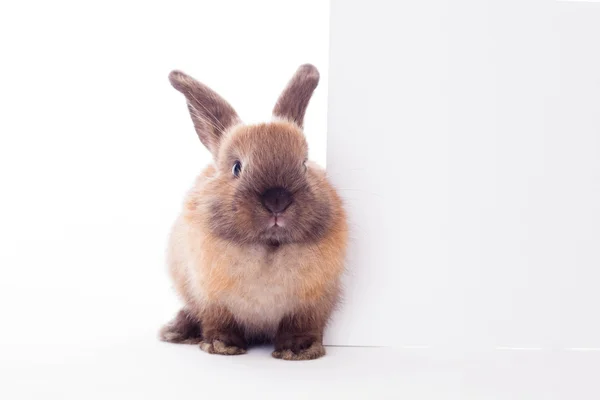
column 211, row 114
column 292, row 103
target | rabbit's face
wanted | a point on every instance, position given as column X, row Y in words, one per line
column 264, row 190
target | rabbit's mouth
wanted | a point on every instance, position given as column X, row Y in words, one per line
column 277, row 221
column 276, row 231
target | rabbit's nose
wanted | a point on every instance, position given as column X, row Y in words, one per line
column 276, row 199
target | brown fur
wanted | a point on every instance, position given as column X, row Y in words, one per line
column 184, row 328
column 294, row 100
column 242, row 277
column 211, row 114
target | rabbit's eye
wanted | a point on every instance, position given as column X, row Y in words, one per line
column 237, row 169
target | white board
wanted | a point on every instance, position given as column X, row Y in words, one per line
column 465, row 139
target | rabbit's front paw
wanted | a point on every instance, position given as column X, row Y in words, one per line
column 300, row 351
column 182, row 329
column 217, row 346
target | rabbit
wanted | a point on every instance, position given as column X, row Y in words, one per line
column 258, row 250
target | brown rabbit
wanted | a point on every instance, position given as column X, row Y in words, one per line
column 258, row 250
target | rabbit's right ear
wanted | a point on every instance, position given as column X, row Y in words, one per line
column 211, row 114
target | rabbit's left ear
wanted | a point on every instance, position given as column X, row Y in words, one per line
column 211, row 114
column 292, row 103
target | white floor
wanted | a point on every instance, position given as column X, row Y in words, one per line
column 143, row 368
column 88, row 330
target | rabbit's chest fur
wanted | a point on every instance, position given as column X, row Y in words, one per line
column 257, row 284
column 263, row 286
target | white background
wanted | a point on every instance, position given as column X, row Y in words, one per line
column 97, row 150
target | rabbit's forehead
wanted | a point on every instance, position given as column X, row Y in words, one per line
column 266, row 141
